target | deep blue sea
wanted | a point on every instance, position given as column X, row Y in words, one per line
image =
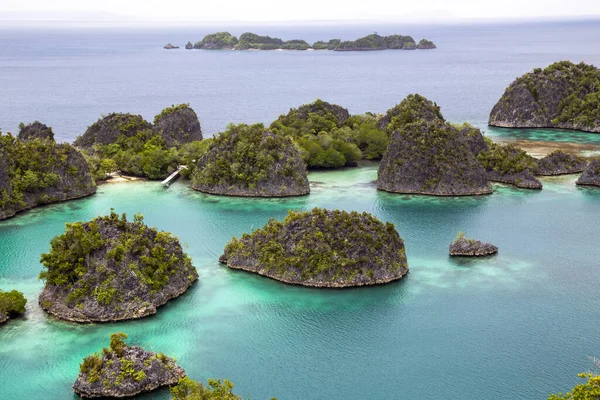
column 519, row 325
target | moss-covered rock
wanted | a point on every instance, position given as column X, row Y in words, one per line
column 321, row 248
column 470, row 247
column 110, row 269
column 40, row 172
column 12, row 304
column 35, row 130
column 509, row 164
column 591, row 174
column 178, row 125
column 560, row 163
column 431, row 158
column 247, row 160
column 121, row 370
column 425, row 44
column 411, row 109
column 217, row 41
column 108, row 129
column 563, row 95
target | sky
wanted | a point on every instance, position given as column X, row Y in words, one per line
column 298, row 10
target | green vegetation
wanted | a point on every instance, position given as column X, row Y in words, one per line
column 219, row 40
column 123, row 142
column 248, row 158
column 39, row 172
column 411, row 109
column 590, row 390
column 187, row 389
column 506, row 159
column 110, row 261
column 248, row 40
column 12, row 303
column 322, row 247
column 328, row 138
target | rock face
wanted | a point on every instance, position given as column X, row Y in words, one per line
column 178, row 125
column 431, row 158
column 124, row 371
column 189, row 46
column 322, row 248
column 509, row 164
column 319, row 107
column 471, row 248
column 35, row 130
column 560, row 163
column 40, row 172
column 110, row 269
column 414, row 107
column 250, row 161
column 591, row 174
column 563, row 95
column 108, row 129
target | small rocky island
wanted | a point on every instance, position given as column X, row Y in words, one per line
column 169, row 46
column 509, row 164
column 252, row 41
column 321, row 248
column 121, row 370
column 108, row 129
column 591, row 174
column 563, row 95
column 177, row 125
column 249, row 161
column 426, row 155
column 38, row 171
column 12, row 304
column 560, row 163
column 471, row 248
column 110, row 269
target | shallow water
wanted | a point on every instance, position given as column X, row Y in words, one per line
column 517, row 325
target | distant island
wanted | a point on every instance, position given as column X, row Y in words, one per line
column 252, row 41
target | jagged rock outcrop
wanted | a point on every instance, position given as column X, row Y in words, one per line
column 509, row 164
column 247, row 160
column 40, row 172
column 318, row 107
column 35, row 130
column 591, row 174
column 414, row 107
column 471, row 248
column 189, row 46
column 12, row 304
column 563, row 95
column 560, row 163
column 110, row 269
column 431, row 158
column 322, row 248
column 125, row 371
column 108, row 129
column 178, row 125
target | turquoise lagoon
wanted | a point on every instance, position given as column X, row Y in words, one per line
column 521, row 324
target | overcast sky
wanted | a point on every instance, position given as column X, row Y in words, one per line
column 302, row 10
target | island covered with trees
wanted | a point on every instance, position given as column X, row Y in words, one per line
column 111, row 269
column 12, row 304
column 252, row 41
column 321, row 248
column 563, row 95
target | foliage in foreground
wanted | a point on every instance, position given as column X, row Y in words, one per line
column 188, row 389
column 589, row 390
column 12, row 303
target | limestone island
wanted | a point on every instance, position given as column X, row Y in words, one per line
column 426, row 155
column 563, row 95
column 471, row 248
column 110, row 269
column 591, row 174
column 321, row 248
column 128, row 144
column 12, row 304
column 560, row 163
column 37, row 171
column 509, row 164
column 249, row 161
column 252, row 41
column 121, row 370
